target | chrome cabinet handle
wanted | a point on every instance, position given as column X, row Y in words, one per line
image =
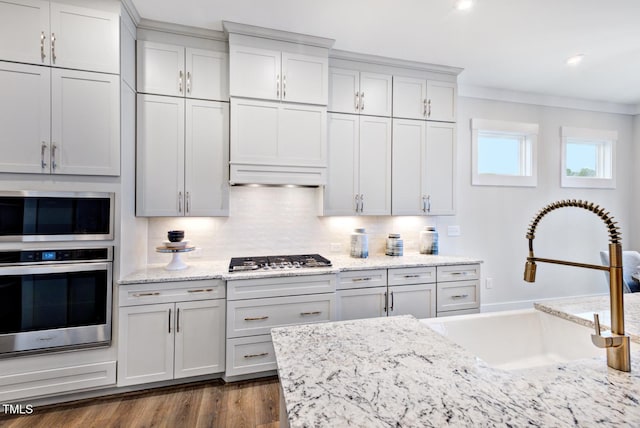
column 169, row 320
column 361, row 279
column 357, row 197
column 361, row 203
column 459, row 273
column 424, row 107
column 357, row 101
column 180, row 81
column 188, row 82
column 53, row 47
column 180, row 202
column 42, row 39
column 257, row 318
column 459, row 296
column 412, row 276
column 429, row 108
column 264, row 354
column 429, row 203
column 187, row 200
column 203, row 290
column 277, row 86
column 43, row 164
column 54, row 164
column 424, row 204
column 392, row 301
column 385, row 302
column 306, row 314
column 284, row 86
column 178, row 321
column 361, row 101
column 155, row 293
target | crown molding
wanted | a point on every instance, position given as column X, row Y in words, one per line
column 132, row 11
column 183, row 30
column 268, row 33
column 394, row 62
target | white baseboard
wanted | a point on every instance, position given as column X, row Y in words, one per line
column 525, row 304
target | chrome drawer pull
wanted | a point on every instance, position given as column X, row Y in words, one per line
column 412, row 276
column 264, row 354
column 256, row 318
column 304, row 314
column 361, row 279
column 459, row 296
column 459, row 273
column 202, row 290
column 155, row 293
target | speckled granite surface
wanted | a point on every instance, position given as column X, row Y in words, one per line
column 220, row 268
column 397, row 372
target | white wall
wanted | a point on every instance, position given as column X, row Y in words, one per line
column 493, row 220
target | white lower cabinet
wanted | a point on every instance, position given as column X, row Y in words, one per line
column 273, row 303
column 170, row 331
column 458, row 289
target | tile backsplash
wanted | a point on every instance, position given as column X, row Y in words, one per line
column 285, row 220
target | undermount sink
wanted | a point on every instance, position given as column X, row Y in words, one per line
column 520, row 339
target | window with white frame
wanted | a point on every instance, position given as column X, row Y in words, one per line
column 588, row 158
column 503, row 153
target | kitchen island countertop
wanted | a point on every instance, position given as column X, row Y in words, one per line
column 396, row 371
column 219, row 269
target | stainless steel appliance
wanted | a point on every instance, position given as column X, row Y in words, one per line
column 56, row 216
column 240, row 264
column 54, row 299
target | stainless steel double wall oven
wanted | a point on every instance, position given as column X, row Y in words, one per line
column 55, row 277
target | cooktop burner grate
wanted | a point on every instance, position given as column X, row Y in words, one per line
column 242, row 264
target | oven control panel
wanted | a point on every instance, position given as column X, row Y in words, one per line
column 50, row 255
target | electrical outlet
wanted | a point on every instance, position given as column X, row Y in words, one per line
column 336, row 247
column 453, row 230
column 488, row 283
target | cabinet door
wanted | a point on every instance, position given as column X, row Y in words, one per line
column 24, row 31
column 85, row 123
column 24, row 118
column 254, row 131
column 255, row 73
column 145, row 343
column 199, row 338
column 342, row 177
column 361, row 303
column 440, row 169
column 417, row 300
column 207, row 74
column 160, row 69
column 160, row 156
column 85, row 39
column 441, row 99
column 375, row 165
column 304, row 78
column 409, row 98
column 375, row 94
column 409, row 142
column 302, row 135
column 344, row 86
column 206, row 172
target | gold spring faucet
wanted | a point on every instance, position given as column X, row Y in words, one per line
column 615, row 341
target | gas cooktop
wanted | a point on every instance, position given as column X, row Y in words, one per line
column 241, row 264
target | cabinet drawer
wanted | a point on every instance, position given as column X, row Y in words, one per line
column 259, row 316
column 458, row 273
column 419, row 275
column 281, row 286
column 362, row 279
column 250, row 355
column 459, row 312
column 169, row 292
column 458, row 295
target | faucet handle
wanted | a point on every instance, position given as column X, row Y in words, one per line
column 607, row 339
column 596, row 321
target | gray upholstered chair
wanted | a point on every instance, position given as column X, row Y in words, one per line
column 630, row 262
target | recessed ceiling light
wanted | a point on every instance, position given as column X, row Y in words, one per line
column 575, row 59
column 463, row 4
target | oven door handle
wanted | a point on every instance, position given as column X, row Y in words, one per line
column 54, row 268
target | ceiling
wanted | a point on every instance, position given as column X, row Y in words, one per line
column 514, row 45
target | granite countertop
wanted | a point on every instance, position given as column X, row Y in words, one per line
column 219, row 269
column 396, row 371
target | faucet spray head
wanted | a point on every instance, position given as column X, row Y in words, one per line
column 530, row 271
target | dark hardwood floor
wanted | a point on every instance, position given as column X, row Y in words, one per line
column 211, row 404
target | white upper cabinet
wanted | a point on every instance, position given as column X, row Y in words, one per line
column 60, row 35
column 165, row 69
column 424, row 99
column 359, row 177
column 182, row 157
column 423, row 168
column 278, row 75
column 353, row 91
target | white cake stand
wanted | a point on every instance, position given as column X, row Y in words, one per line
column 176, row 262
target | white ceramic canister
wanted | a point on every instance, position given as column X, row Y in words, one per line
column 395, row 245
column 429, row 241
column 359, row 244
